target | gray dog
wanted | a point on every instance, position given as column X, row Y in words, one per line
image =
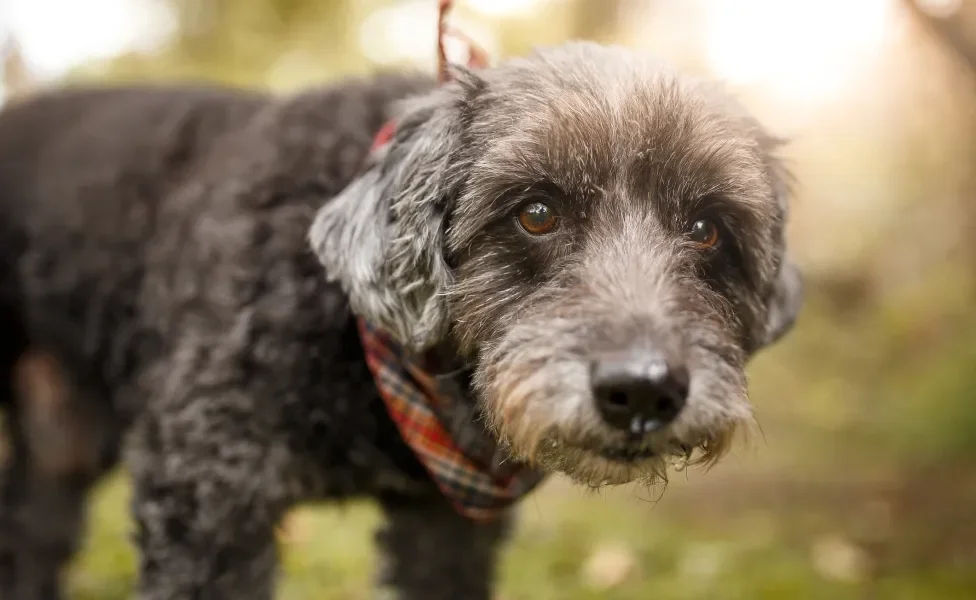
column 560, row 264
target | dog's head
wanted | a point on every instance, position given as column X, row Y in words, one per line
column 601, row 236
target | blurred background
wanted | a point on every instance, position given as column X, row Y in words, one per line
column 862, row 483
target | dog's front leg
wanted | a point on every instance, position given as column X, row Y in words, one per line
column 210, row 485
column 429, row 552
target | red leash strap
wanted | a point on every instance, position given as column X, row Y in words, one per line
column 477, row 57
column 475, row 484
column 384, row 135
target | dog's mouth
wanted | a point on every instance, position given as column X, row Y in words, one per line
column 635, row 454
column 626, row 454
column 630, row 453
column 598, row 462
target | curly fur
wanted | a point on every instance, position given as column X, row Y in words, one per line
column 630, row 153
column 162, row 275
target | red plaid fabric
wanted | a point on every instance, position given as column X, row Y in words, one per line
column 479, row 489
column 384, row 136
column 469, row 473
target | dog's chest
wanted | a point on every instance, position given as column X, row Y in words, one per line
column 348, row 444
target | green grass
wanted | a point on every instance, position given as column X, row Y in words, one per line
column 685, row 546
column 859, row 485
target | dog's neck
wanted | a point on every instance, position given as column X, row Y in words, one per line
column 446, row 361
column 430, row 399
column 463, row 418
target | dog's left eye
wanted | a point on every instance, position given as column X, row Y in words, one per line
column 537, row 218
column 705, row 234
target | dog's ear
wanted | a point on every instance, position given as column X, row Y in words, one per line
column 382, row 238
column 784, row 303
column 785, row 297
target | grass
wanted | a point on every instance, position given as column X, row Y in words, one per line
column 880, row 505
column 879, row 445
column 686, row 546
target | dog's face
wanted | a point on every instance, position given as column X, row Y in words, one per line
column 601, row 236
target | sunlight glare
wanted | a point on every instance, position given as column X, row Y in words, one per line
column 58, row 35
column 505, row 8
column 408, row 32
column 805, row 50
column 940, row 8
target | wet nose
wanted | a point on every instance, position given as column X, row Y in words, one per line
column 638, row 392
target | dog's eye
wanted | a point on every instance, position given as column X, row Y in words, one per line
column 537, row 218
column 704, row 234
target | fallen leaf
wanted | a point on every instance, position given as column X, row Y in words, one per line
column 293, row 529
column 703, row 561
column 610, row 565
column 838, row 559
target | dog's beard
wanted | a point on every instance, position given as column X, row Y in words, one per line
column 539, row 404
column 612, row 463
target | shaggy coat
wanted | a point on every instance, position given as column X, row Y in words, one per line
column 180, row 267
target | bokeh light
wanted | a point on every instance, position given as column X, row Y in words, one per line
column 803, row 50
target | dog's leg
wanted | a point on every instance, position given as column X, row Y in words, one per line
column 41, row 527
column 51, row 458
column 430, row 552
column 210, row 484
column 205, row 521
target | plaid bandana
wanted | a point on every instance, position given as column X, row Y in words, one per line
column 472, row 473
column 479, row 479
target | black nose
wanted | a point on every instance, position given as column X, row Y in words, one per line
column 639, row 392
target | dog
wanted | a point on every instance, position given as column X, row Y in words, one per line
column 584, row 244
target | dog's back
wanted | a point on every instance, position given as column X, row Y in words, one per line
column 82, row 172
column 82, row 175
column 97, row 185
column 92, row 182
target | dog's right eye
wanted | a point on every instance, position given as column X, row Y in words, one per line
column 537, row 218
column 705, row 234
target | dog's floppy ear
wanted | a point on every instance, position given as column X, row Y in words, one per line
column 784, row 303
column 382, row 238
column 786, row 294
